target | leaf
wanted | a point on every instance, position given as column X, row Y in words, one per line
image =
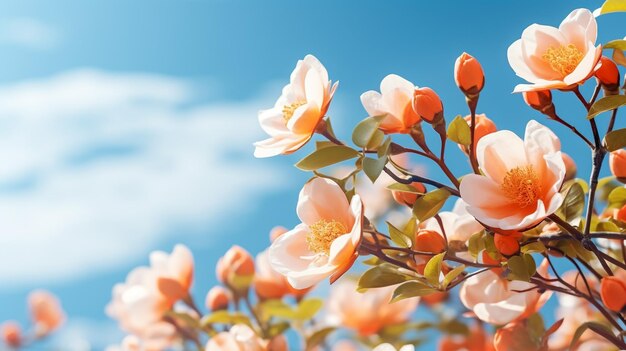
column 318, row 337
column 476, row 244
column 454, row 326
column 521, row 267
column 225, row 317
column 615, row 139
column 451, row 275
column 404, row 188
column 535, row 247
column 373, row 167
column 366, row 130
column 611, row 6
column 308, row 308
column 383, row 150
column 433, row 269
column 326, row 156
column 619, row 44
column 595, row 326
column 574, row 203
column 399, row 237
column 411, row 289
column 608, row 227
column 617, row 196
column 429, row 205
column 459, row 131
column 607, row 103
column 381, row 276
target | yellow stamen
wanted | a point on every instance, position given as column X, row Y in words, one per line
column 522, row 185
column 322, row 234
column 288, row 110
column 563, row 59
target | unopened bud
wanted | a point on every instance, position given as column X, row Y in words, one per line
column 236, row 269
column 617, row 163
column 469, row 75
column 429, row 241
column 409, row 198
column 608, row 76
column 218, row 298
column 540, row 100
column 427, row 104
column 613, row 293
column 11, row 333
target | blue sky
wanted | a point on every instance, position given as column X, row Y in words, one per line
column 127, row 126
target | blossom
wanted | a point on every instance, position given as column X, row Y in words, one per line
column 354, row 310
column 174, row 272
column 617, row 163
column 218, row 298
column 389, row 347
column 325, row 243
column 458, row 224
column 557, row 58
column 11, row 333
column 240, row 337
column 235, row 268
column 268, row 283
column 395, row 102
column 483, row 127
column 297, row 112
column 515, row 336
column 496, row 300
column 521, row 181
column 45, row 311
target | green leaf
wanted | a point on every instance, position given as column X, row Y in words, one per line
column 326, row 156
column 318, row 337
column 411, row 289
column 521, row 267
column 454, row 326
column 429, row 205
column 383, row 150
column 612, row 6
column 619, row 44
column 225, row 317
column 308, row 308
column 607, row 103
column 573, row 204
column 373, row 167
column 399, row 237
column 595, row 326
column 535, row 247
column 433, row 269
column 381, row 276
column 609, row 227
column 615, row 139
column 451, row 275
column 459, row 131
column 365, row 131
column 476, row 244
column 617, row 196
column 404, row 188
column 305, row 310
column 278, row 328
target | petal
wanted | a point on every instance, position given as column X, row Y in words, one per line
column 540, row 141
column 356, row 209
column 537, row 39
column 586, row 67
column 304, row 119
column 273, row 122
column 314, row 88
column 314, row 64
column 280, row 145
column 322, row 198
column 502, row 312
column 540, row 85
column 499, row 152
column 480, row 191
column 580, row 27
column 290, row 251
column 394, row 83
column 373, row 104
column 518, row 63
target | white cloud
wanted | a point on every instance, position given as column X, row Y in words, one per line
column 97, row 167
column 29, row 33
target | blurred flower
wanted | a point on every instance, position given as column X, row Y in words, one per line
column 45, row 311
column 325, row 243
column 617, row 163
column 276, row 232
column 427, row 104
column 476, row 340
column 389, row 347
column 484, row 126
column 174, row 271
column 521, row 181
column 297, row 112
column 495, row 300
column 354, row 310
column 269, row 284
column 239, row 338
column 11, row 333
column 236, row 269
column 468, row 74
column 395, row 102
column 218, row 298
column 515, row 336
column 557, row 58
column 345, row 345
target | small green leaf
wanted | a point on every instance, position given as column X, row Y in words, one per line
column 521, row 267
column 608, row 227
column 373, row 167
column 459, row 131
column 411, row 289
column 476, row 244
column 615, row 139
column 383, row 150
column 225, row 317
column 617, row 196
column 454, row 326
column 404, row 188
column 607, row 103
column 429, row 205
column 619, row 44
column 451, row 275
column 611, row 6
column 318, row 337
column 573, row 204
column 308, row 308
column 399, row 237
column 535, row 247
column 365, row 131
column 381, row 276
column 433, row 269
column 326, row 156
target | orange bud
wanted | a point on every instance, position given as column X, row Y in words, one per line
column 608, row 75
column 613, row 293
column 435, row 298
column 171, row 289
column 408, row 199
column 429, row 241
column 427, row 104
column 237, row 262
column 218, row 298
column 483, row 127
column 468, row 74
column 617, row 163
column 620, row 215
column 506, row 245
column 11, row 333
column 540, row 100
column 276, row 232
column 45, row 311
column 570, row 167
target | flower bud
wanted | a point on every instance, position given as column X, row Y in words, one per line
column 236, row 269
column 276, row 232
column 435, row 298
column 540, row 100
column 617, row 163
column 429, row 241
column 608, row 76
column 620, row 214
column 406, row 198
column 11, row 333
column 570, row 167
column 506, row 244
column 45, row 311
column 613, row 293
column 483, row 127
column 218, row 298
column 468, row 75
column 427, row 104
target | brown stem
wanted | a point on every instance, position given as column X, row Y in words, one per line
column 472, row 103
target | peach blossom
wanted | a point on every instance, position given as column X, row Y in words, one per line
column 324, row 244
column 218, row 298
column 276, row 232
column 236, row 262
column 174, row 271
column 494, row 299
column 354, row 310
column 389, row 347
column 45, row 311
column 240, row 337
column 557, row 58
column 297, row 112
column 11, row 333
column 268, row 283
column 395, row 102
column 521, row 181
column 617, row 163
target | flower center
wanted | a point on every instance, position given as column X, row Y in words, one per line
column 288, row 110
column 563, row 59
column 322, row 234
column 521, row 184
